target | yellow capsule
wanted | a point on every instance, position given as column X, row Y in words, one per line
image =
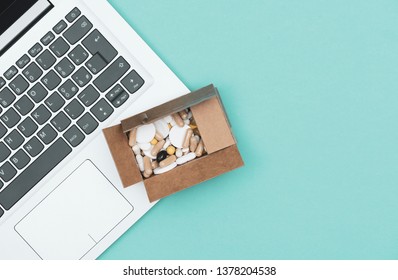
column 132, row 137
column 192, row 126
column 154, row 141
column 167, row 161
column 171, row 150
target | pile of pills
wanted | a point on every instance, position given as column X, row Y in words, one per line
column 166, row 143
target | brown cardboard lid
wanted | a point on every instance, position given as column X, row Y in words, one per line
column 170, row 107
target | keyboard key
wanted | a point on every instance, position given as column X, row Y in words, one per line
column 59, row 47
column 3, row 130
column 4, row 152
column 114, row 92
column 35, row 50
column 37, row 92
column 102, row 110
column 19, row 85
column 74, row 136
column 77, row 31
column 88, row 96
column 61, row 121
column 73, row 15
column 55, row 102
column 112, row 74
column 47, row 134
column 7, row 172
column 59, row 27
column 14, row 139
column 32, row 72
column 48, row 38
column 20, row 159
column 133, row 82
column 96, row 43
column 74, row 109
column 68, row 89
column 10, row 73
column 24, row 105
column 34, row 147
column 64, row 67
column 6, row 97
column 78, row 55
column 51, row 80
column 96, row 64
column 41, row 114
column 87, row 123
column 120, row 99
column 46, row 60
column 34, row 173
column 82, row 77
column 10, row 118
column 23, row 61
column 27, row 127
column 2, row 82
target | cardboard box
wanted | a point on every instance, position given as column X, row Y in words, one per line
column 222, row 152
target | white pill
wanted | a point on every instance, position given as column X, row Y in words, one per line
column 166, row 144
column 187, row 121
column 173, row 123
column 162, row 127
column 168, row 119
column 167, row 168
column 185, row 151
column 177, row 135
column 146, row 133
column 145, row 146
column 136, row 149
column 186, row 158
column 178, row 153
column 140, row 161
column 149, row 154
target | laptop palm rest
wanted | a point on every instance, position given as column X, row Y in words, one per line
column 74, row 217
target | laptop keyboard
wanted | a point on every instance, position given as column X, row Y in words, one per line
column 54, row 96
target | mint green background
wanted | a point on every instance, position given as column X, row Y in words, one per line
column 311, row 88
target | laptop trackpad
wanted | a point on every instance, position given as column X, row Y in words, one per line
column 72, row 219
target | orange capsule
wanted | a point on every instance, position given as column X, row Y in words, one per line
column 132, row 137
column 187, row 138
column 199, row 149
column 167, row 161
column 178, row 120
column 147, row 166
column 157, row 148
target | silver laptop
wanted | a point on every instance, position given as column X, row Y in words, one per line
column 68, row 69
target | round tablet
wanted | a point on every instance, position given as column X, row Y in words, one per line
column 146, row 133
column 145, row 146
column 162, row 127
column 177, row 135
column 167, row 168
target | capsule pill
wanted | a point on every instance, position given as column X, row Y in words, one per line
column 199, row 149
column 140, row 162
column 193, row 143
column 187, row 138
column 147, row 166
column 157, row 147
column 178, row 120
column 132, row 137
column 167, row 161
column 183, row 114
